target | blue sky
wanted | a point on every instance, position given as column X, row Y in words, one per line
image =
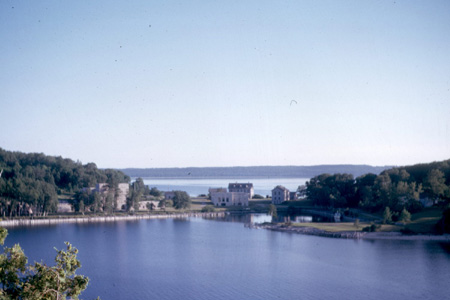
column 212, row 83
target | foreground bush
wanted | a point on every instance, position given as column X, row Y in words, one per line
column 18, row 280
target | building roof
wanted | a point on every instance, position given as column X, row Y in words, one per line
column 240, row 185
column 280, row 187
column 217, row 189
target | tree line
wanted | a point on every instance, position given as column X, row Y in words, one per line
column 399, row 188
column 31, row 182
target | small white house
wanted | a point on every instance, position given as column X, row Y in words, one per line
column 280, row 194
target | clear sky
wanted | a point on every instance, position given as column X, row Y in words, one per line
column 226, row 83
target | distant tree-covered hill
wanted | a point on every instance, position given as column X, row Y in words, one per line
column 261, row 171
column 30, row 182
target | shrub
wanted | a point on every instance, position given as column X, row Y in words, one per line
column 372, row 228
column 208, row 208
column 405, row 216
column 387, row 215
column 257, row 196
column 443, row 226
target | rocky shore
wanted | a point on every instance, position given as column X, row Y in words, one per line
column 353, row 234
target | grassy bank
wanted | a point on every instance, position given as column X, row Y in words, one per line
column 421, row 223
column 342, row 227
column 425, row 221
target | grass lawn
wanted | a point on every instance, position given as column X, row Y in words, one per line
column 259, row 201
column 338, row 227
column 425, row 221
column 299, row 203
column 422, row 222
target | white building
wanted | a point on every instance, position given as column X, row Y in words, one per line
column 238, row 194
column 230, row 198
column 217, row 190
column 144, row 205
column 63, row 207
column 241, row 188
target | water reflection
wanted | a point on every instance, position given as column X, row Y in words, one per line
column 265, row 218
column 200, row 259
column 445, row 246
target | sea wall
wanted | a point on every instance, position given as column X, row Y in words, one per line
column 60, row 220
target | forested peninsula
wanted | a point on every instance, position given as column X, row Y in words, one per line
column 395, row 193
column 32, row 182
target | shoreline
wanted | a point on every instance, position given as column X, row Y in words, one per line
column 274, row 227
column 356, row 234
column 51, row 221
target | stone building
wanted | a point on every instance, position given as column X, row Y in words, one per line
column 217, row 190
column 144, row 205
column 230, row 198
column 64, row 207
column 121, row 193
column 241, row 188
column 280, row 194
column 238, row 194
column 169, row 195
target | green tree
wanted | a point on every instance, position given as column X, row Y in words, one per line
column 405, row 216
column 162, row 204
column 81, row 206
column 133, row 199
column 18, row 280
column 181, row 200
column 337, row 190
column 443, row 226
column 150, row 206
column 387, row 215
column 434, row 184
column 109, row 203
column 155, row 192
column 272, row 211
column 208, row 208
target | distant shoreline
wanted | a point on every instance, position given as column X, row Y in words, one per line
column 219, row 177
column 252, row 171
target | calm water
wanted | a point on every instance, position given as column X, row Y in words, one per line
column 195, row 187
column 218, row 259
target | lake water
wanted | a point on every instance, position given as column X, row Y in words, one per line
column 200, row 259
column 195, row 187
